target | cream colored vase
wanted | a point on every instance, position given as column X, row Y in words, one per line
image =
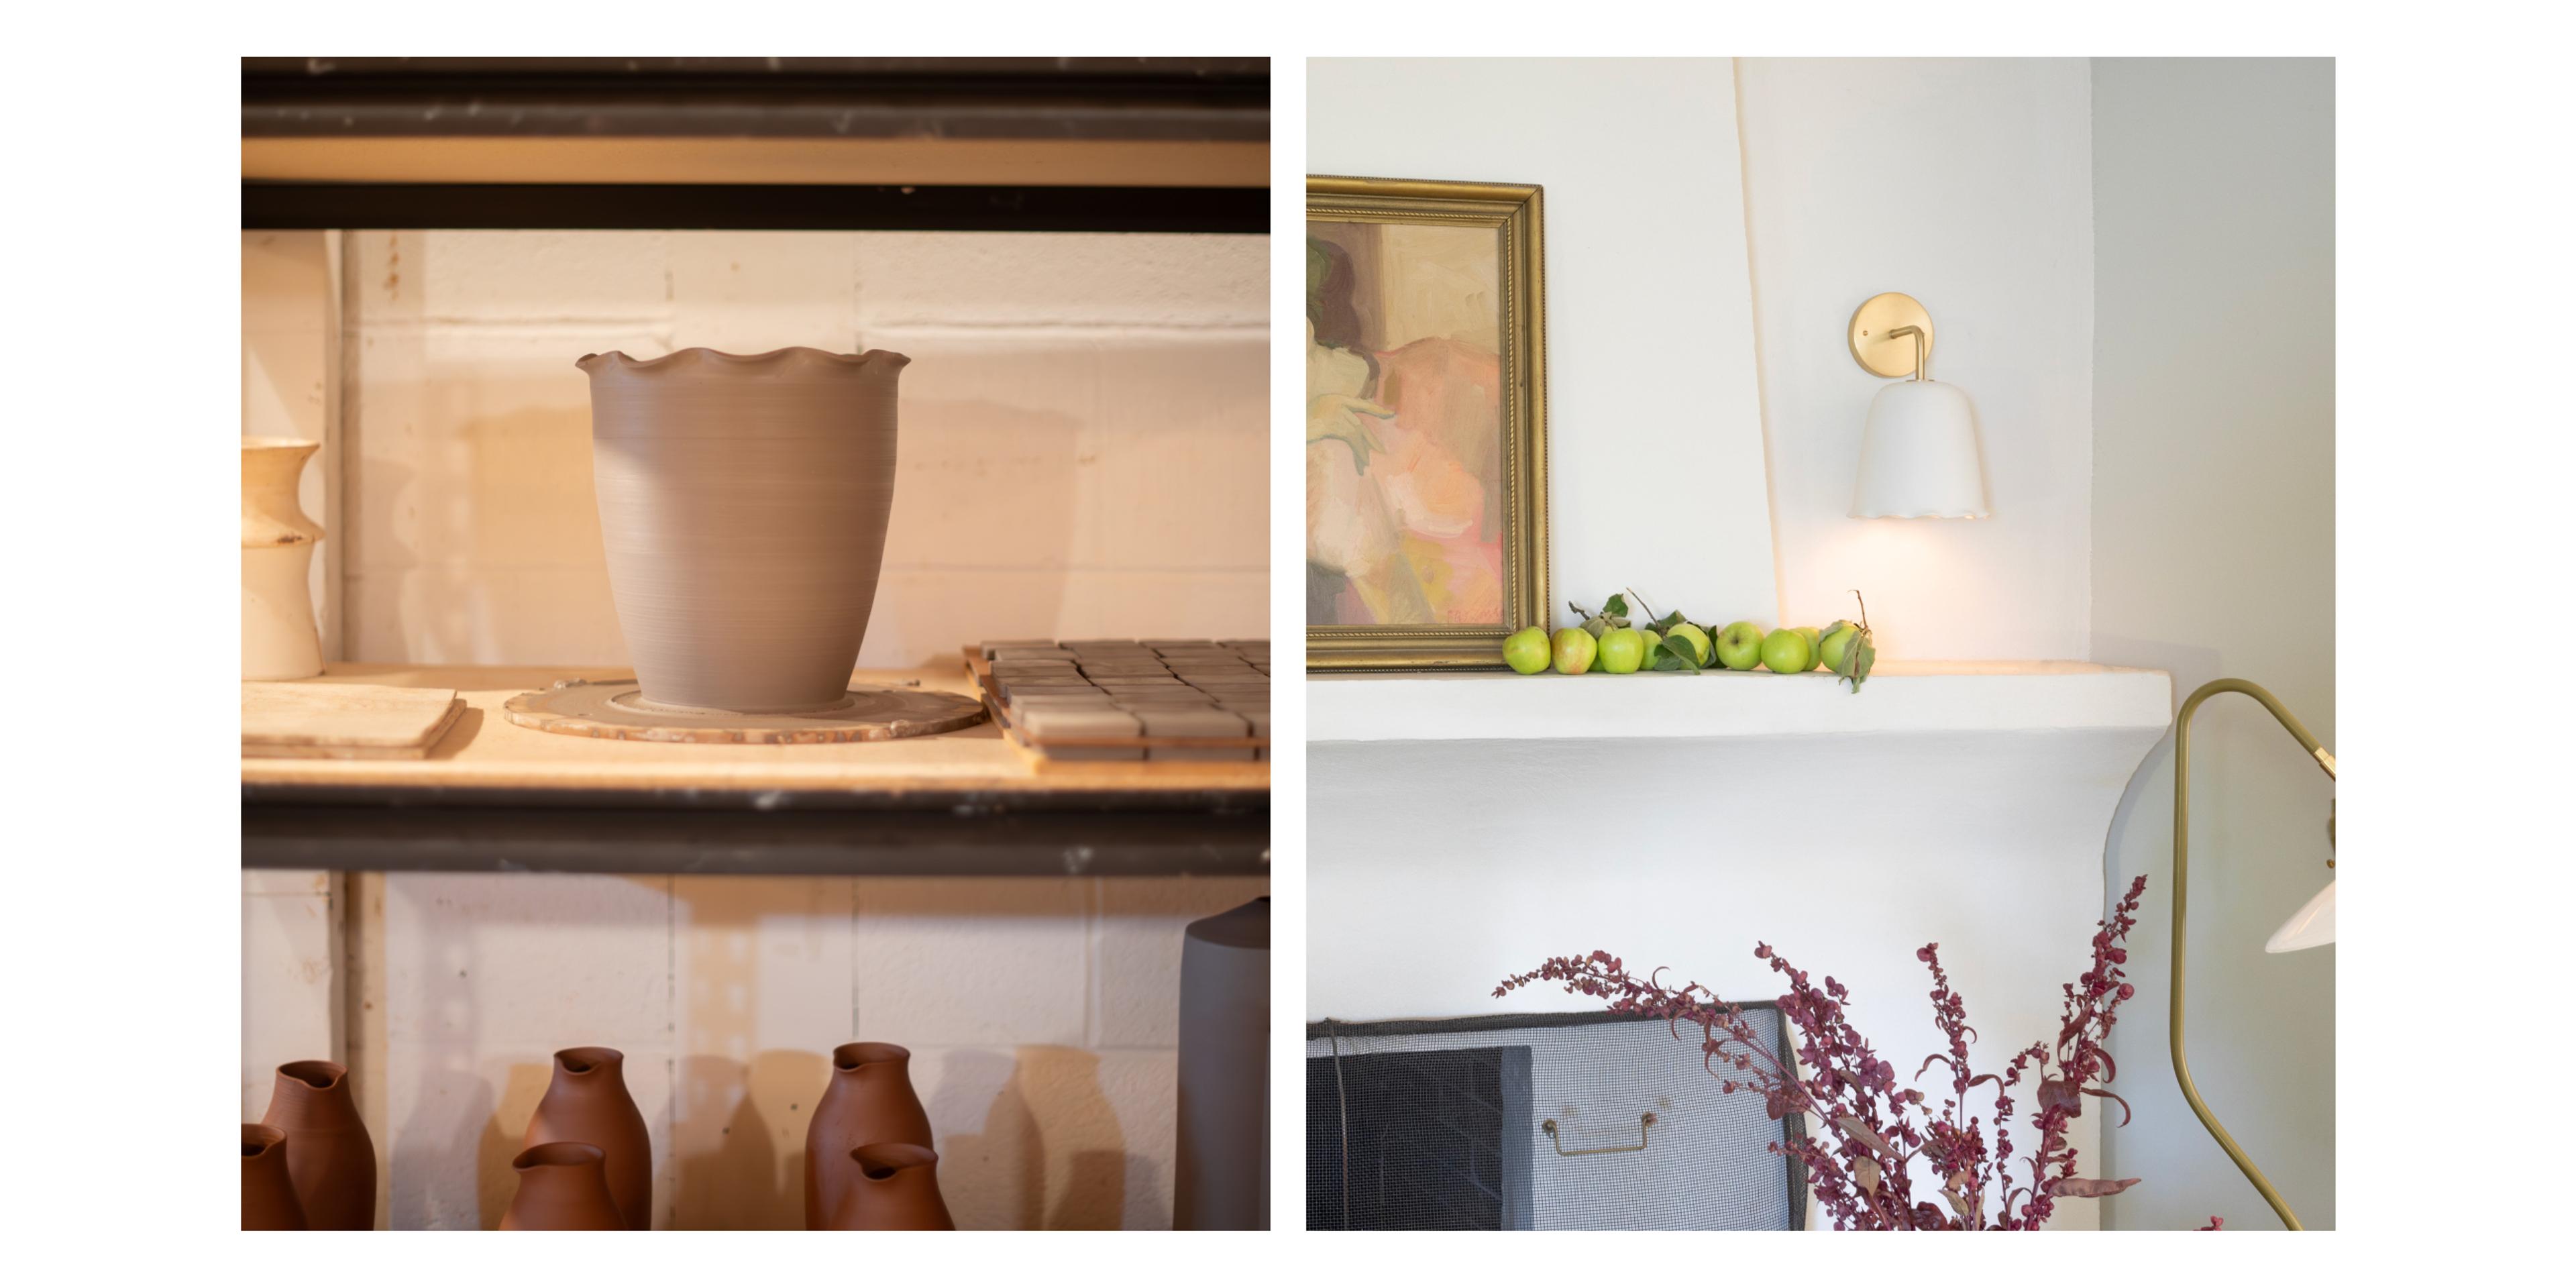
column 279, row 641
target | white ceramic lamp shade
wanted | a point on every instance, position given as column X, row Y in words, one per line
column 2312, row 926
column 1918, row 458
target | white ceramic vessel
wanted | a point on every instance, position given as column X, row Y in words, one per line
column 279, row 641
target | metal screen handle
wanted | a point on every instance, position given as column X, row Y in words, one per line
column 1644, row 1121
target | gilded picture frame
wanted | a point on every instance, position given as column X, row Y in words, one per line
column 1513, row 496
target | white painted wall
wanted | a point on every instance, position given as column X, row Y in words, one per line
column 1965, row 183
column 2213, row 555
column 1655, row 472
column 1083, row 441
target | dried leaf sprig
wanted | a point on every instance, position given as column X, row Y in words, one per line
column 1873, row 1131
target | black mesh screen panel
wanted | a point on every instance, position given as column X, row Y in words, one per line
column 1445, row 1125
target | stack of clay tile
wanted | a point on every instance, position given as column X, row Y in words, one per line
column 1134, row 699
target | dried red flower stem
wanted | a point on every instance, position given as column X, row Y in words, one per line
column 1869, row 1131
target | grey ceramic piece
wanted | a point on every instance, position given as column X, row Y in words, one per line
column 1221, row 1165
column 743, row 504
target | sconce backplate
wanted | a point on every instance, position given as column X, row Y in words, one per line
column 1870, row 323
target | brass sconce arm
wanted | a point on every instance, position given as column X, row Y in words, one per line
column 2181, row 886
column 1919, row 339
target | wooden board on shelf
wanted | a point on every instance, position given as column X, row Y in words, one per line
column 303, row 718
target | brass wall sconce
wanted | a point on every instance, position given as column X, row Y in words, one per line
column 1918, row 457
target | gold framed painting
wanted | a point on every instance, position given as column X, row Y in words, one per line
column 1426, row 422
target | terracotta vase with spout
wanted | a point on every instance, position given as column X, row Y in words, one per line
column 267, row 1192
column 890, row 1187
column 743, row 504
column 328, row 1151
column 279, row 640
column 868, row 1102
column 587, row 1103
column 562, row 1186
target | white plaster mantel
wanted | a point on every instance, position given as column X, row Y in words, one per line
column 1899, row 697
column 1463, row 827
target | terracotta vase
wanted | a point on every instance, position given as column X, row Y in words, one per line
column 868, row 1102
column 279, row 641
column 267, row 1192
column 743, row 504
column 890, row 1187
column 562, row 1186
column 328, row 1151
column 587, row 1103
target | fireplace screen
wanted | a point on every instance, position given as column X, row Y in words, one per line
column 1538, row 1122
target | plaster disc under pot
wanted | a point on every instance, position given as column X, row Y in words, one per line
column 618, row 709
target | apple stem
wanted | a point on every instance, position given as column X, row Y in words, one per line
column 1650, row 614
column 1864, row 610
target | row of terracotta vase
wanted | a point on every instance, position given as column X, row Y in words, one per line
column 586, row 1162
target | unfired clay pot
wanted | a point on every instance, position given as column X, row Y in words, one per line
column 561, row 1187
column 279, row 641
column 869, row 1101
column 587, row 1102
column 267, row 1192
column 890, row 1187
column 328, row 1151
column 743, row 503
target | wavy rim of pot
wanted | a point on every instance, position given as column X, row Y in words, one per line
column 618, row 360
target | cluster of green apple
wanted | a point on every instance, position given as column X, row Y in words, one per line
column 1606, row 641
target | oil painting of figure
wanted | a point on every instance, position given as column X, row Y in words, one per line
column 1404, row 425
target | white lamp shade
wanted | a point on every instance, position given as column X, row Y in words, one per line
column 1918, row 459
column 2312, row 926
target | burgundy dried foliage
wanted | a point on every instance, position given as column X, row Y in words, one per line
column 1873, row 1130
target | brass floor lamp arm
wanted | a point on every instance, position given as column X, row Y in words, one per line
column 2181, row 887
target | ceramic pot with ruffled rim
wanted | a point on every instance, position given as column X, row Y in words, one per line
column 743, row 503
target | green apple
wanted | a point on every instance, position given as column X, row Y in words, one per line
column 1698, row 641
column 1787, row 652
column 1830, row 650
column 1739, row 646
column 1812, row 641
column 1526, row 650
column 1622, row 650
column 1574, row 650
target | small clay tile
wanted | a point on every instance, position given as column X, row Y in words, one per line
column 1032, row 655
column 1086, row 698
column 990, row 646
column 1013, row 692
column 1114, row 683
column 1083, row 645
column 1191, row 722
column 1145, row 702
column 1145, row 669
column 1080, row 722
